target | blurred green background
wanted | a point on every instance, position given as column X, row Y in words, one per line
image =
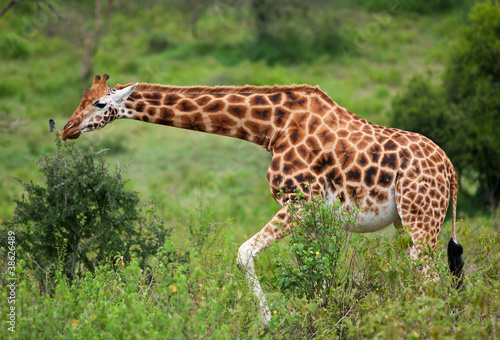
column 362, row 53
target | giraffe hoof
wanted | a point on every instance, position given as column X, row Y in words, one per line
column 266, row 318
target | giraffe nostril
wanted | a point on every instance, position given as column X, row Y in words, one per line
column 72, row 123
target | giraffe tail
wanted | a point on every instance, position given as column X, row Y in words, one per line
column 455, row 249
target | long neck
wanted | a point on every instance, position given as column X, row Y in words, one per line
column 256, row 114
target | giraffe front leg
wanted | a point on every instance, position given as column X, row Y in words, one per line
column 271, row 233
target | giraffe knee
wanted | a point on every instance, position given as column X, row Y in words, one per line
column 245, row 255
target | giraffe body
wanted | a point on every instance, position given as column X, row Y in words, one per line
column 317, row 147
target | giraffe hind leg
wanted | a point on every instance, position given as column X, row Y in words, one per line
column 414, row 215
column 398, row 225
column 272, row 232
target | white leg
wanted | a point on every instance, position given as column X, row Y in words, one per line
column 272, row 232
column 245, row 258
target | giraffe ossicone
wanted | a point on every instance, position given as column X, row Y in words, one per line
column 317, row 146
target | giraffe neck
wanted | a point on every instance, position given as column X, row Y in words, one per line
column 255, row 114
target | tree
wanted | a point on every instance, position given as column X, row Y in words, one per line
column 192, row 11
column 462, row 114
column 293, row 31
column 472, row 87
column 422, row 108
column 82, row 26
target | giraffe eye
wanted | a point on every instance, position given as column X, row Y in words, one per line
column 100, row 105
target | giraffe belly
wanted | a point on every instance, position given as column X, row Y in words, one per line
column 374, row 218
column 367, row 222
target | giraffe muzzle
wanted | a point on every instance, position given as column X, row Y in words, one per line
column 71, row 131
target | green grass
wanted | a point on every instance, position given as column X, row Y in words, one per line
column 204, row 295
column 197, row 177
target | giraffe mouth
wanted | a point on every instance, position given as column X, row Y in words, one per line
column 71, row 131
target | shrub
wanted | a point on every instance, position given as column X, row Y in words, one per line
column 288, row 32
column 81, row 216
column 471, row 84
column 158, row 42
column 333, row 282
column 311, row 276
column 317, row 245
column 295, row 46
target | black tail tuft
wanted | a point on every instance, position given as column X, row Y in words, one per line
column 456, row 262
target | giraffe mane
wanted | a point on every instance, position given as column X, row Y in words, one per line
column 145, row 87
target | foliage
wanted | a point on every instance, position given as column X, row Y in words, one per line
column 316, row 247
column 422, row 108
column 411, row 6
column 324, row 278
column 13, row 47
column 157, row 42
column 195, row 293
column 193, row 10
column 461, row 114
column 374, row 290
column 312, row 274
column 290, row 46
column 199, row 292
column 81, row 216
column 80, row 23
column 472, row 87
column 293, row 31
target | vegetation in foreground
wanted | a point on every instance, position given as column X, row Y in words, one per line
column 196, row 291
column 350, row 287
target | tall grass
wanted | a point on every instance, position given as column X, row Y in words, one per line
column 194, row 289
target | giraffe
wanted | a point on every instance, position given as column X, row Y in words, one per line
column 317, row 146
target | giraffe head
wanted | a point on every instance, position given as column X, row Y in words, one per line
column 98, row 107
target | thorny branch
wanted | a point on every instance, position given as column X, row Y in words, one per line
column 37, row 2
column 9, row 6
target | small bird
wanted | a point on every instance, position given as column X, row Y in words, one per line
column 52, row 124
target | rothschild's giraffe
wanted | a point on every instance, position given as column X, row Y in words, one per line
column 317, row 146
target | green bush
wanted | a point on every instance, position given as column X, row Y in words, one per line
column 311, row 275
column 316, row 247
column 471, row 84
column 326, row 274
column 81, row 216
column 295, row 46
column 157, row 42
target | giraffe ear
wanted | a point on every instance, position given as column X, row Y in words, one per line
column 121, row 95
